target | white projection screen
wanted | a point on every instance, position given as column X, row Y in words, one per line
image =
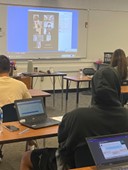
column 42, row 33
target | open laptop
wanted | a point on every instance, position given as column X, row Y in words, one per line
column 109, row 152
column 31, row 113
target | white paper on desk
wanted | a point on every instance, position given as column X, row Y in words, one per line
column 89, row 76
column 19, row 74
column 59, row 118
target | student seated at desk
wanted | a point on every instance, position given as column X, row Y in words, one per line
column 119, row 62
column 105, row 116
column 10, row 88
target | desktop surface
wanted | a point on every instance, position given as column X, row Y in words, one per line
column 42, row 73
column 9, row 137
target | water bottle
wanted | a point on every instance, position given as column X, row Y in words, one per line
column 1, row 120
column 30, row 66
column 81, row 73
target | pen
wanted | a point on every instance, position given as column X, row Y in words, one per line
column 5, row 127
column 24, row 131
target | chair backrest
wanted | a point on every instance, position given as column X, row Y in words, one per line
column 9, row 113
column 83, row 156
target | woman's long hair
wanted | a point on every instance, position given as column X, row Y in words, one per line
column 119, row 61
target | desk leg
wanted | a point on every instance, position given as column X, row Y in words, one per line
column 32, row 83
column 44, row 101
column 67, row 87
column 44, row 142
column 53, row 91
column 77, row 95
column 89, row 84
column 62, row 92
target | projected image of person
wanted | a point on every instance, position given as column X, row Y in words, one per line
column 37, row 24
column 48, row 27
column 48, row 32
column 43, row 31
column 37, row 37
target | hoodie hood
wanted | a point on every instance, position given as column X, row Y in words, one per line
column 106, row 87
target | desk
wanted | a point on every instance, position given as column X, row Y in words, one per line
column 54, row 75
column 76, row 79
column 39, row 93
column 10, row 137
column 124, row 94
column 124, row 89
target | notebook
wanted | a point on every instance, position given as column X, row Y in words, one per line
column 31, row 113
column 31, row 73
column 109, row 152
column 34, row 73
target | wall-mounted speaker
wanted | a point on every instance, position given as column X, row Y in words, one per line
column 30, row 66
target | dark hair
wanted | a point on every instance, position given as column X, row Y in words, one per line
column 4, row 64
column 119, row 60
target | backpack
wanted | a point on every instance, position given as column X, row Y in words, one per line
column 89, row 71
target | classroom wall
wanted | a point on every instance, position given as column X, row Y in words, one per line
column 107, row 30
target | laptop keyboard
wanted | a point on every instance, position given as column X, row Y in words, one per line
column 37, row 121
column 120, row 168
column 124, row 167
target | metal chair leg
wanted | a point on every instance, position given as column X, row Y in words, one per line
column 1, row 154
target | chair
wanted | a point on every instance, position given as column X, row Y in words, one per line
column 124, row 96
column 9, row 115
column 83, row 157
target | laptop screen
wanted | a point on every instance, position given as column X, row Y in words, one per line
column 29, row 107
column 109, row 150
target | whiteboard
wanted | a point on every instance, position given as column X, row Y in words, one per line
column 108, row 30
